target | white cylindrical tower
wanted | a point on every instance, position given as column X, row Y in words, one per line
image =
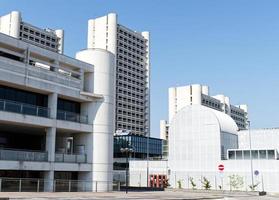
column 60, row 34
column 104, row 112
column 196, row 94
column 205, row 89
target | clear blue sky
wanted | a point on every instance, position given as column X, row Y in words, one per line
column 232, row 46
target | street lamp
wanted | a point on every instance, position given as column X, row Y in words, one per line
column 251, row 159
column 127, row 152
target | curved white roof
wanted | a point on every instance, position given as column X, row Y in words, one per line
column 226, row 123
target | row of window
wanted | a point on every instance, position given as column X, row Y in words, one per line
column 238, row 118
column 129, row 60
column 135, row 54
column 131, row 73
column 37, row 33
column 211, row 104
column 131, row 67
column 135, row 108
column 129, row 127
column 237, row 112
column 129, row 100
column 132, row 80
column 139, row 40
column 36, row 99
column 37, row 40
column 130, row 47
column 129, row 86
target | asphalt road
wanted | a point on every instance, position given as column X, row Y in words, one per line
column 166, row 195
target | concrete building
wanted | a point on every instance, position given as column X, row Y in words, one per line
column 56, row 129
column 132, row 70
column 13, row 25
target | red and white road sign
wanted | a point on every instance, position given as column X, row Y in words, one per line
column 221, row 167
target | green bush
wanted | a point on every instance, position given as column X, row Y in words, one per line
column 205, row 183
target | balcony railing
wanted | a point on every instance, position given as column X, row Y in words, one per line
column 70, row 158
column 22, row 108
column 70, row 116
column 18, row 155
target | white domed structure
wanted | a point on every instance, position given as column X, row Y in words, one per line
column 198, row 139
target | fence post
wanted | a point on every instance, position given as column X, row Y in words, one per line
column 96, row 186
column 38, row 185
column 54, row 185
column 19, row 187
column 118, row 185
column 69, row 185
column 215, row 182
column 0, row 184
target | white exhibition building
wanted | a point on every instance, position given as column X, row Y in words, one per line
column 201, row 139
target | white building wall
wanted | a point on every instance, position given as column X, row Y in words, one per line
column 267, row 138
column 10, row 24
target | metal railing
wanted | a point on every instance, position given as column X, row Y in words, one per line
column 22, row 108
column 57, row 185
column 70, row 158
column 18, row 155
column 70, row 116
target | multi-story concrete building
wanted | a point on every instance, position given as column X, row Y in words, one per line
column 55, row 116
column 13, row 25
column 132, row 70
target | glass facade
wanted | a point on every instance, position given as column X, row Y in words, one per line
column 138, row 144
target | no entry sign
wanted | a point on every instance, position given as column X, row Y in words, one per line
column 221, row 167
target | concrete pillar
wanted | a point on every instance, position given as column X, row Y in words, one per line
column 49, row 181
column 52, row 104
column 50, row 143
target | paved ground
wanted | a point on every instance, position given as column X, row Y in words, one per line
column 199, row 195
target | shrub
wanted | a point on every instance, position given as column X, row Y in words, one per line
column 205, row 183
column 193, row 184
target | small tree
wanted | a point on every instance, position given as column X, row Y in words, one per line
column 236, row 182
column 205, row 183
column 179, row 184
column 193, row 184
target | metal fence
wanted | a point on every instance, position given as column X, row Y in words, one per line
column 22, row 108
column 18, row 155
column 41, row 185
column 70, row 158
column 70, row 116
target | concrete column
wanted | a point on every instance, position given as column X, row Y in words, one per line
column 52, row 104
column 49, row 181
column 50, row 143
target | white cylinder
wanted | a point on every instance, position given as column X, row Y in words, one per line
column 60, row 34
column 196, row 94
column 205, row 90
column 104, row 109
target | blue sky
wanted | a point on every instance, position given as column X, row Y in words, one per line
column 232, row 46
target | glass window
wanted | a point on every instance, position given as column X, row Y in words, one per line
column 271, row 154
column 231, row 155
column 238, row 155
column 246, row 154
column 262, row 154
column 255, row 154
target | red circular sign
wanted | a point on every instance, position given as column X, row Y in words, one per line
column 221, row 167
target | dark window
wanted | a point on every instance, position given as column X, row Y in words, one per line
column 22, row 96
column 68, row 105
